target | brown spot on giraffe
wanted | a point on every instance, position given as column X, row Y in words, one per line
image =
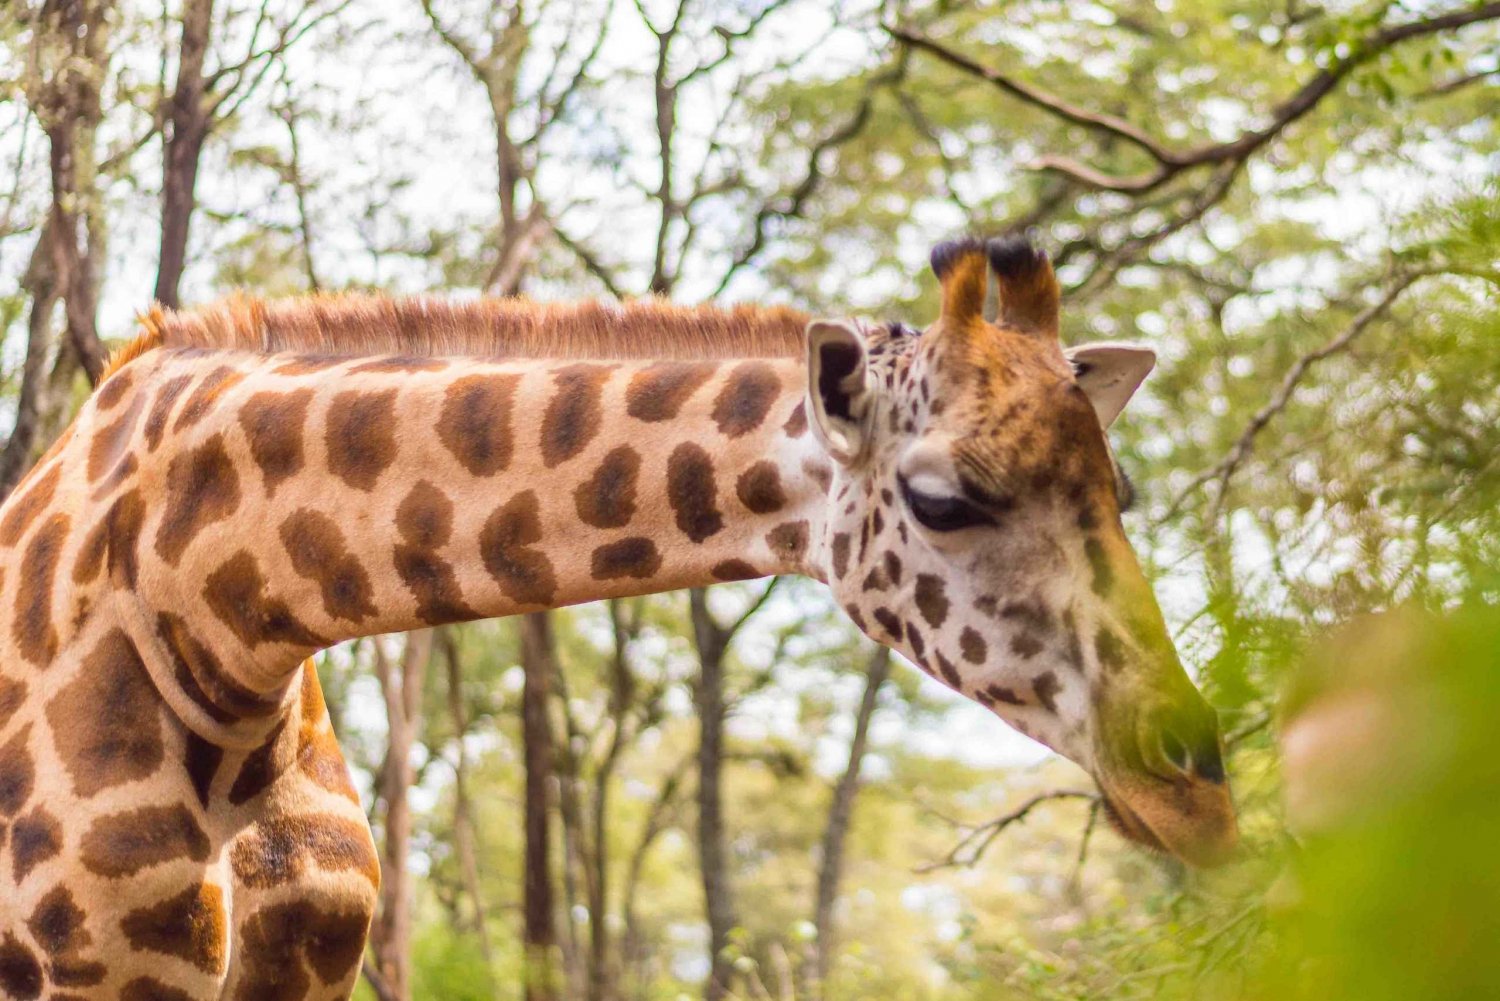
column 201, row 760
column 32, row 627
column 1109, row 650
column 202, row 676
column 123, row 844
column 25, row 508
column 35, row 838
column 890, row 622
column 1000, row 693
column 932, row 599
column 820, row 473
column 123, row 471
column 796, row 423
column 692, row 493
column 474, row 424
column 789, row 541
column 575, row 413
column 400, row 363
column 161, row 409
column 273, row 424
column 309, row 364
column 506, row 544
column 57, row 924
column 319, row 553
column 759, row 488
column 915, row 639
column 840, row 548
column 360, row 438
column 12, row 694
column 151, row 989
column 1026, row 645
column 259, row 769
column 45, row 463
column 113, row 440
column 125, row 519
column 278, row 850
column 892, row 567
column 236, row 593
column 1046, row 687
column 202, row 488
column 424, row 520
column 1072, row 642
column 113, row 391
column 972, row 645
column 17, row 772
column 283, row 941
column 607, row 498
column 657, row 393
column 20, row 973
column 948, row 670
column 188, row 925
column 106, row 723
column 730, row 570
column 214, row 385
column 633, row 557
column 746, row 398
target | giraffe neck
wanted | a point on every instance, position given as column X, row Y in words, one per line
column 257, row 508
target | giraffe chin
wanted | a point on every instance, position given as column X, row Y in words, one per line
column 1192, row 821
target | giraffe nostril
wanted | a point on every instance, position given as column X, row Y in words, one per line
column 1175, row 751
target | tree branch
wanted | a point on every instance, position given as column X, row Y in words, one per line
column 1226, row 467
column 1169, row 163
column 972, row 846
column 1035, row 96
column 793, row 203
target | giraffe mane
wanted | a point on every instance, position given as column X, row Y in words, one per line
column 359, row 324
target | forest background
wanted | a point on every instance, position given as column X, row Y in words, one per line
column 730, row 793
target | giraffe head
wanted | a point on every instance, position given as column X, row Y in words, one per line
column 975, row 526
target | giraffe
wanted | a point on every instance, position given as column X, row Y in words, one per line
column 253, row 482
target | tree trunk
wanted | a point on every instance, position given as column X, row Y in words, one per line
column 538, row 659
column 465, row 837
column 713, row 853
column 602, row 969
column 66, row 100
column 40, row 282
column 840, row 811
column 402, row 687
column 73, row 260
column 575, row 868
column 189, row 118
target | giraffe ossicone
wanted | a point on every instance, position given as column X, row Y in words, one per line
column 254, row 482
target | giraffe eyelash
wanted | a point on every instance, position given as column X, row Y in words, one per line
column 1124, row 490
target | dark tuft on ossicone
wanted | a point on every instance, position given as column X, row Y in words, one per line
column 947, row 253
column 1015, row 256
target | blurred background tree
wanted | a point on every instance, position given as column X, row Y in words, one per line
column 730, row 793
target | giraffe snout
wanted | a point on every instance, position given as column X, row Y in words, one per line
column 1164, row 784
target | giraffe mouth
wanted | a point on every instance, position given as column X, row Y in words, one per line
column 1192, row 821
column 1130, row 826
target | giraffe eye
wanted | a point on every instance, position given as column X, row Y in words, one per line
column 941, row 513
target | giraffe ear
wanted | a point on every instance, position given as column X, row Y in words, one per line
column 1110, row 373
column 838, row 393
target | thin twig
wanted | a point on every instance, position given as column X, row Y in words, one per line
column 1225, row 468
column 1168, row 163
column 972, row 846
